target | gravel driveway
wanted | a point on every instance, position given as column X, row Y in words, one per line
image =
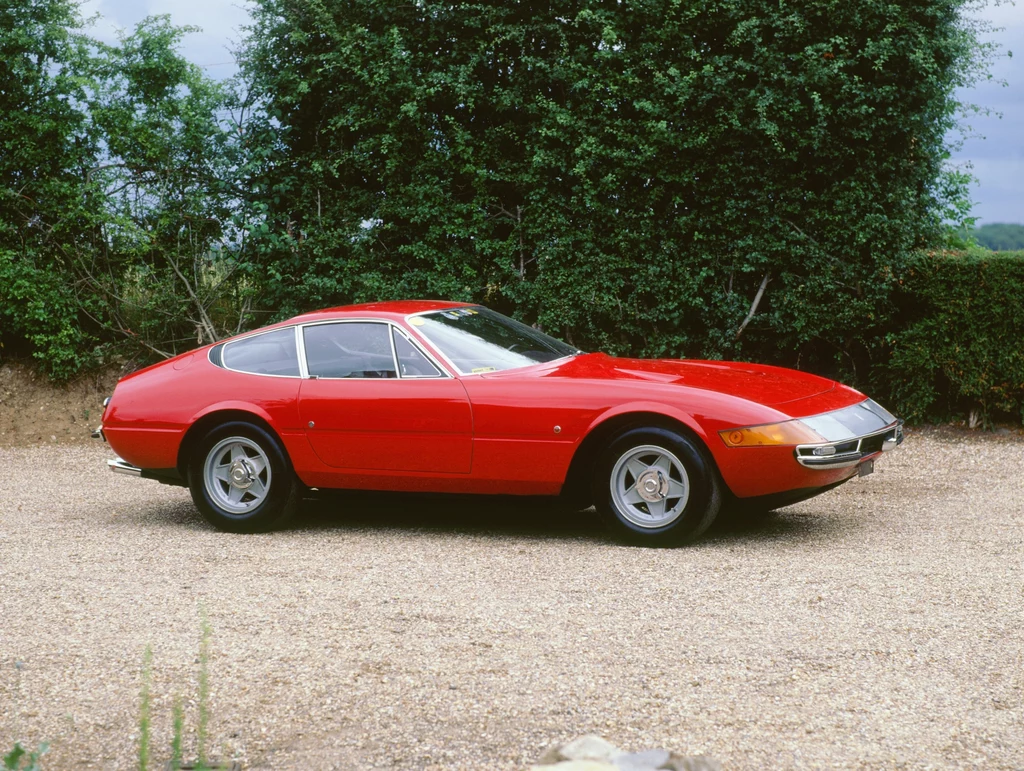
column 879, row 626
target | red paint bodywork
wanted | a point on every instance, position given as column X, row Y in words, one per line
column 483, row 433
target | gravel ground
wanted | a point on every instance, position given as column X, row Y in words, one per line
column 879, row 626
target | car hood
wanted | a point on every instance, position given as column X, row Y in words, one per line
column 770, row 386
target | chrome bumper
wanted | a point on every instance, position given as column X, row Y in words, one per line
column 849, row 452
column 119, row 466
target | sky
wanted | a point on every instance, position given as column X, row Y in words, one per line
column 993, row 151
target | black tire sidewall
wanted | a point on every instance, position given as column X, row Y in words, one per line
column 701, row 507
column 273, row 510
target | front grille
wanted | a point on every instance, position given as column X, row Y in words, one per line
column 846, row 447
column 873, row 443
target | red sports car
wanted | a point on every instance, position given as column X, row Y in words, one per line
column 455, row 398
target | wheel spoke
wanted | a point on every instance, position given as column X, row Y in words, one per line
column 257, row 465
column 636, row 468
column 237, row 452
column 664, row 463
column 632, row 495
column 257, row 489
column 656, row 508
column 235, row 494
column 676, row 489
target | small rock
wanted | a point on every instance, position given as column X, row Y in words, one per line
column 590, row 747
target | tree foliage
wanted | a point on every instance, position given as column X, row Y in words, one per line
column 45, row 151
column 119, row 212
column 712, row 178
column 956, row 350
column 167, row 275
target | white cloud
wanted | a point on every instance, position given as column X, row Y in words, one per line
column 221, row 22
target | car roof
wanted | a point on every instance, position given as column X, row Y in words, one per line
column 390, row 309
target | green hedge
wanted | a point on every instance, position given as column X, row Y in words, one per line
column 629, row 176
column 959, row 344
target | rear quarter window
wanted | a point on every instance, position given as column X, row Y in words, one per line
column 269, row 353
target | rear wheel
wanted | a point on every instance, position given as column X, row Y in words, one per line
column 656, row 487
column 241, row 480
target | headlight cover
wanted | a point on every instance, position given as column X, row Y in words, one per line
column 842, row 425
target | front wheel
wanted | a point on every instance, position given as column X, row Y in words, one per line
column 656, row 487
column 241, row 480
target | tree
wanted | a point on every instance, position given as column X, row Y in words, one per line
column 654, row 177
column 120, row 216
column 47, row 149
column 168, row 275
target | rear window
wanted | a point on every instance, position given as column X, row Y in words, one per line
column 270, row 353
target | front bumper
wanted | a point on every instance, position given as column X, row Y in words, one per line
column 851, row 451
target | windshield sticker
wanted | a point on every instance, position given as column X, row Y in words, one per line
column 478, row 370
column 417, row 321
column 451, row 315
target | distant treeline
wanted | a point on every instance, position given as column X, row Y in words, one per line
column 1000, row 237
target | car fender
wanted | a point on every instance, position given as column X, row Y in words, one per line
column 233, row 406
column 658, row 408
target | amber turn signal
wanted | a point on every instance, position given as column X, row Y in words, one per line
column 790, row 432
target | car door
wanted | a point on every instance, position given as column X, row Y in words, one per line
column 371, row 400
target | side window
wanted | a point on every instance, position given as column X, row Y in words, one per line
column 411, row 362
column 352, row 349
column 272, row 353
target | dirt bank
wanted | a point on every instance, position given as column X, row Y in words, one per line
column 34, row 411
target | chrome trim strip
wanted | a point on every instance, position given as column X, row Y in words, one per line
column 853, row 457
column 300, row 348
column 394, row 353
column 121, row 466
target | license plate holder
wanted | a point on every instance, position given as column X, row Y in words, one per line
column 865, row 468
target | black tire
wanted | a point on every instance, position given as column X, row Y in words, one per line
column 279, row 490
column 683, row 519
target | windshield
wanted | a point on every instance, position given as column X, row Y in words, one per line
column 479, row 340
